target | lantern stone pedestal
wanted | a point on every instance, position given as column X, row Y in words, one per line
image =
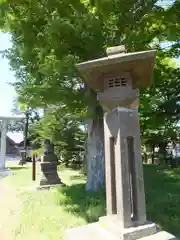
column 96, row 232
column 49, row 175
column 49, row 171
column 117, row 79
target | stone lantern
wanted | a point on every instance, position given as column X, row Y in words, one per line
column 49, row 162
column 117, row 79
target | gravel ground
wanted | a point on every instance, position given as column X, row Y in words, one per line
column 10, row 211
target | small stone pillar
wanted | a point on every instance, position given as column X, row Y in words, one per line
column 117, row 79
column 49, row 175
column 3, row 130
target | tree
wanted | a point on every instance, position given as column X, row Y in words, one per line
column 49, row 37
column 160, row 113
column 31, row 116
column 65, row 131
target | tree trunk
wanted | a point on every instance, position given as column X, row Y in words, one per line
column 95, row 145
column 26, row 128
column 153, row 153
column 145, row 155
column 162, row 150
column 95, row 157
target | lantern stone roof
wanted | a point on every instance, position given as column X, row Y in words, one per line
column 139, row 64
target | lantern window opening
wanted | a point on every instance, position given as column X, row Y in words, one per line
column 117, row 82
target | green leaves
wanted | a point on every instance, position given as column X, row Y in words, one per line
column 50, row 36
column 63, row 128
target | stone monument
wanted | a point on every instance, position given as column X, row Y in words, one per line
column 117, row 79
column 49, row 175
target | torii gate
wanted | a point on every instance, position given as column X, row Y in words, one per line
column 4, row 123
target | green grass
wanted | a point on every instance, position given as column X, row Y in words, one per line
column 46, row 214
column 162, row 186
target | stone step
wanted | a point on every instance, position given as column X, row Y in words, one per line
column 95, row 232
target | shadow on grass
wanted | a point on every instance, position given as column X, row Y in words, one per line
column 77, row 201
column 76, row 177
column 162, row 188
column 17, row 168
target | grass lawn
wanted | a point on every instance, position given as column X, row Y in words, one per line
column 44, row 215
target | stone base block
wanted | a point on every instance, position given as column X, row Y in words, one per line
column 96, row 232
column 49, row 178
column 49, row 175
column 112, row 224
column 160, row 236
